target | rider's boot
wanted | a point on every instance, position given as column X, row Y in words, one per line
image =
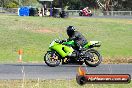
column 80, row 53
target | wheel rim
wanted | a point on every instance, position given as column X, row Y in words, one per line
column 94, row 59
column 52, row 58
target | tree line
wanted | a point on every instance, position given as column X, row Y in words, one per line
column 107, row 5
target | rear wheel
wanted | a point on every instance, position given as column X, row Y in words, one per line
column 94, row 58
column 52, row 59
column 80, row 62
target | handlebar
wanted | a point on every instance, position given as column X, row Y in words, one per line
column 60, row 41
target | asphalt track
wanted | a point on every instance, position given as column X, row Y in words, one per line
column 42, row 71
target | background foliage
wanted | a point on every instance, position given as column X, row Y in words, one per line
column 71, row 4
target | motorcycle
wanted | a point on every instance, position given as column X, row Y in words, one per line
column 65, row 52
column 84, row 13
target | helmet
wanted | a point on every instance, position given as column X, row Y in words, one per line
column 87, row 7
column 70, row 30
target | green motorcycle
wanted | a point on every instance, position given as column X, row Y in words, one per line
column 65, row 52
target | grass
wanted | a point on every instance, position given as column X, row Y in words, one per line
column 55, row 84
column 22, row 33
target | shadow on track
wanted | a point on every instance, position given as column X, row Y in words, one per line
column 32, row 65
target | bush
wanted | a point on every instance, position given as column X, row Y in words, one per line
column 12, row 5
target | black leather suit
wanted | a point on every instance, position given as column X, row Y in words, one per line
column 78, row 38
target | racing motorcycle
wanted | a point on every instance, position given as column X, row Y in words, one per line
column 65, row 52
column 84, row 13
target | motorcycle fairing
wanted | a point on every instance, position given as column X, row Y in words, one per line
column 63, row 50
column 70, row 43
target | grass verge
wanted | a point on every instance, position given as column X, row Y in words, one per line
column 33, row 35
column 55, row 84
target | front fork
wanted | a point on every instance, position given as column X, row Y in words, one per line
column 86, row 56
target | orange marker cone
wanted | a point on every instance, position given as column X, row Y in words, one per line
column 81, row 71
column 20, row 55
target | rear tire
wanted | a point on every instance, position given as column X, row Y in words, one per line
column 48, row 60
column 80, row 62
column 90, row 63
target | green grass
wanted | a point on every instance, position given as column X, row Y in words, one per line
column 18, row 33
column 55, row 84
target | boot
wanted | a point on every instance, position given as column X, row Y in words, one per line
column 80, row 51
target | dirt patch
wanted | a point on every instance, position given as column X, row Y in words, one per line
column 46, row 31
column 117, row 60
column 129, row 22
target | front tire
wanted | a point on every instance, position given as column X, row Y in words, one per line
column 52, row 59
column 92, row 60
column 91, row 15
column 80, row 14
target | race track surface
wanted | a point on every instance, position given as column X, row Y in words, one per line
column 42, row 71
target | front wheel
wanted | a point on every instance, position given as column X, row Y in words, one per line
column 91, row 14
column 94, row 58
column 80, row 14
column 52, row 59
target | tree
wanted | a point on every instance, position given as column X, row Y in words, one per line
column 12, row 4
column 74, row 4
column 9, row 3
column 123, row 5
column 1, row 3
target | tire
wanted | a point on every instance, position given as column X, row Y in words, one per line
column 80, row 14
column 81, row 80
column 92, row 51
column 80, row 62
column 91, row 15
column 47, row 59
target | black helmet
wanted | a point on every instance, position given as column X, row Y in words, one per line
column 70, row 30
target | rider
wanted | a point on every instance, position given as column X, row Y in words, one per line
column 78, row 38
column 86, row 10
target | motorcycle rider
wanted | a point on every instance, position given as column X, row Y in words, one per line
column 78, row 38
column 86, row 11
